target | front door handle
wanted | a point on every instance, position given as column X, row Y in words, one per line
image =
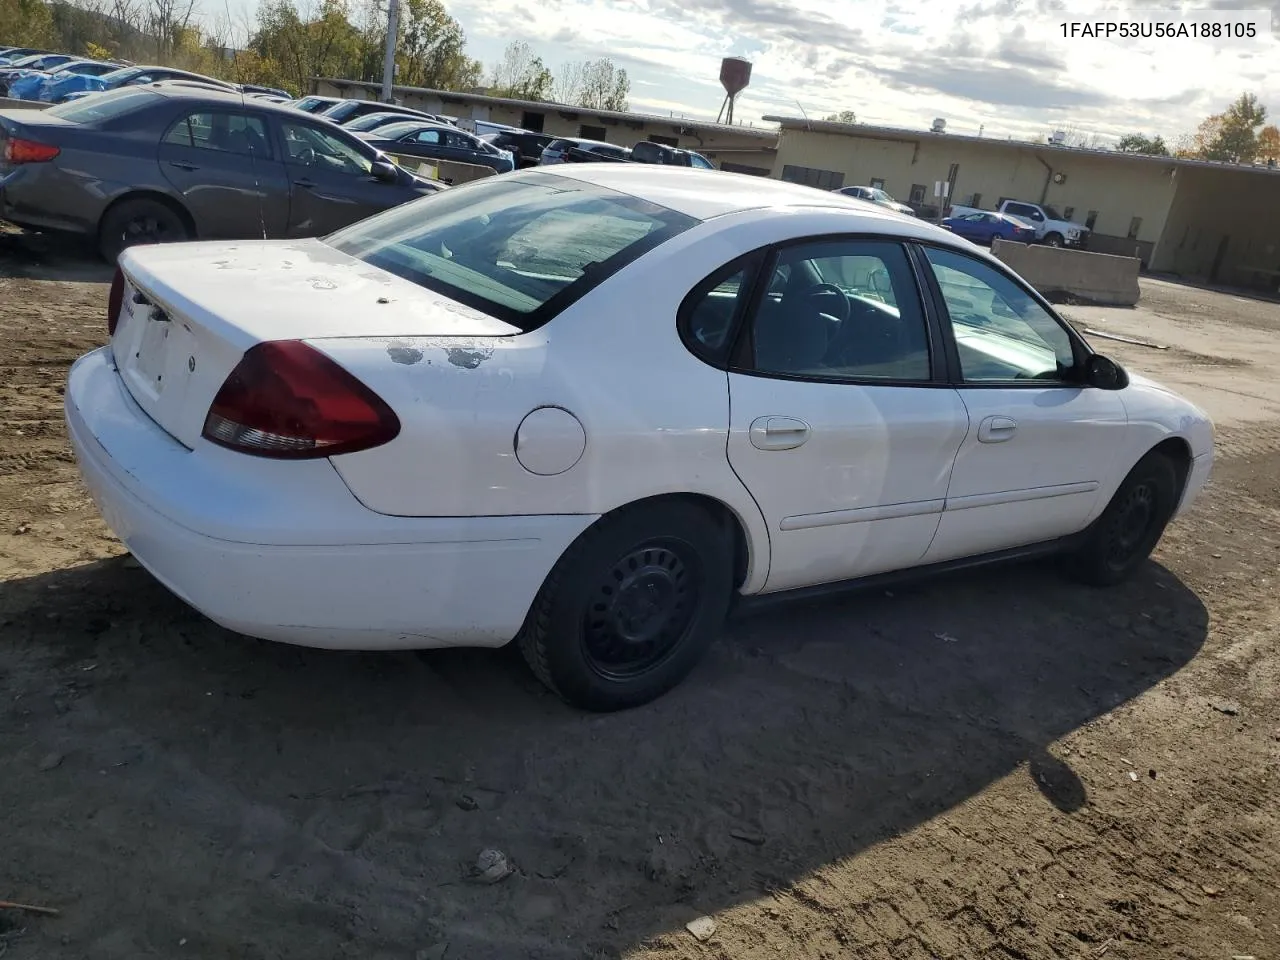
column 778, row 433
column 997, row 429
column 183, row 165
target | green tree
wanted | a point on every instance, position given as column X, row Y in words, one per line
column 844, row 116
column 431, row 51
column 1141, row 143
column 1231, row 136
column 603, row 86
column 26, row 23
column 521, row 75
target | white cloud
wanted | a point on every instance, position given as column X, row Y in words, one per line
column 1003, row 64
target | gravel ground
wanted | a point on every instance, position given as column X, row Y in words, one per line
column 995, row 765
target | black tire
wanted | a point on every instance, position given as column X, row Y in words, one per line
column 631, row 607
column 1122, row 538
column 138, row 221
column 1053, row 240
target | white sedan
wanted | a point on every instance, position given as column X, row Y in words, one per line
column 588, row 408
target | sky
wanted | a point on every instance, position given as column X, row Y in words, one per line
column 1002, row 67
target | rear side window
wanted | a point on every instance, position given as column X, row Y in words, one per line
column 224, row 132
column 104, row 106
column 517, row 248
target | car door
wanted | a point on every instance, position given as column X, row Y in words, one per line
column 842, row 425
column 330, row 181
column 1037, row 448
column 428, row 144
column 1025, row 211
column 230, row 178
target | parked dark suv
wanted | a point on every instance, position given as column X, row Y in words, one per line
column 525, row 145
column 170, row 161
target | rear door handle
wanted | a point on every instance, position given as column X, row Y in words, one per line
column 997, row 429
column 183, row 165
column 304, row 182
column 778, row 433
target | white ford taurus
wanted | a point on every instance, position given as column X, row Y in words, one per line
column 588, row 409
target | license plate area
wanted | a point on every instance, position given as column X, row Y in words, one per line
column 153, row 352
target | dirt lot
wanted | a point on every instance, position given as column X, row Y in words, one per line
column 998, row 765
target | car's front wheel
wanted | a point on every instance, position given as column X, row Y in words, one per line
column 1053, row 240
column 632, row 606
column 1122, row 538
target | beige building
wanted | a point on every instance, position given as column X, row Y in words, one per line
column 742, row 149
column 1204, row 221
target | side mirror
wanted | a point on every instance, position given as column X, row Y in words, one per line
column 1104, row 373
column 384, row 171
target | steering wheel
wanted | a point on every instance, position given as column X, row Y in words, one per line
column 306, row 156
column 820, row 288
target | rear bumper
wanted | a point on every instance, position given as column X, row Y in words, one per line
column 41, row 196
column 300, row 560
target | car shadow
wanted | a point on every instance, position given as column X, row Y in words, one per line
column 283, row 801
column 30, row 255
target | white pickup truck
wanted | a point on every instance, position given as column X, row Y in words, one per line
column 1050, row 226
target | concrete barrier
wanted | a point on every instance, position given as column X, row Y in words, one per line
column 7, row 103
column 1099, row 278
column 446, row 171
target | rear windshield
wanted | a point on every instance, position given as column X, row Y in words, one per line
column 103, row 106
column 519, row 248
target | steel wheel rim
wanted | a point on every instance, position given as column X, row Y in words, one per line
column 640, row 610
column 1132, row 523
column 141, row 231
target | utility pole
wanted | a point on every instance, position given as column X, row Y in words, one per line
column 389, row 58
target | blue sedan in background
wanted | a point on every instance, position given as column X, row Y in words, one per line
column 983, row 227
column 79, row 85
column 28, row 87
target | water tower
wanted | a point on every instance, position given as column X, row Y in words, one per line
column 735, row 74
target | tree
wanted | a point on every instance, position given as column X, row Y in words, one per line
column 1231, row 136
column 603, row 86
column 1141, row 143
column 844, row 116
column 26, row 22
column 431, row 49
column 521, row 75
column 566, row 87
column 1269, row 144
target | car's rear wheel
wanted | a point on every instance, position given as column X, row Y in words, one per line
column 139, row 221
column 632, row 606
column 1122, row 538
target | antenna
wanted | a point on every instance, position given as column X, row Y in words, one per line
column 808, row 124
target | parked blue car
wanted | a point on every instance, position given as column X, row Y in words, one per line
column 80, row 85
column 984, row 227
column 29, row 87
column 27, row 65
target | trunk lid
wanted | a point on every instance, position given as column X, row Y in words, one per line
column 191, row 310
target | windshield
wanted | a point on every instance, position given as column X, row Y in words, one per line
column 103, row 106
column 371, row 120
column 402, row 128
column 519, row 248
column 882, row 196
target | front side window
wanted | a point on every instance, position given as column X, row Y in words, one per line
column 431, row 137
column 1001, row 332
column 309, row 147
column 518, row 248
column 223, row 132
column 842, row 310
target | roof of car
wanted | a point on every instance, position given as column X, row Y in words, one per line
column 200, row 91
column 704, row 194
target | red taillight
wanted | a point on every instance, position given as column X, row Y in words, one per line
column 115, row 301
column 288, row 400
column 18, row 150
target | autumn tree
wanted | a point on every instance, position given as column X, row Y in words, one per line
column 1230, row 136
column 26, row 22
column 1141, row 143
column 844, row 116
column 432, row 49
column 1269, row 144
column 521, row 74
